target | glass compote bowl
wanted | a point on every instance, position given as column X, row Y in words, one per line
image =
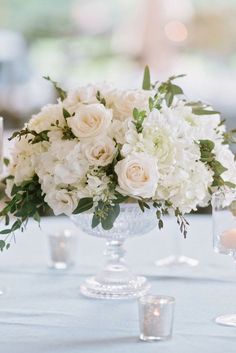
column 224, row 232
column 116, row 281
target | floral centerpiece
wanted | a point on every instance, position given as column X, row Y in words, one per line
column 99, row 146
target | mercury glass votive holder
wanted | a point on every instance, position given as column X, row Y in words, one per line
column 156, row 314
column 62, row 248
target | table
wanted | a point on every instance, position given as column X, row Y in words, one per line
column 42, row 310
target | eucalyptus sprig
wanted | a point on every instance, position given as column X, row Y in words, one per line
column 169, row 90
column 139, row 117
column 101, row 99
column 230, row 137
column 36, row 136
column 67, row 133
column 200, row 108
column 27, row 200
column 62, row 94
column 208, row 157
column 182, row 222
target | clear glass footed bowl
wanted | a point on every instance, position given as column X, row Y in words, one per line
column 116, row 281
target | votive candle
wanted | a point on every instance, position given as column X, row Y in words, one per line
column 62, row 247
column 228, row 239
column 156, row 317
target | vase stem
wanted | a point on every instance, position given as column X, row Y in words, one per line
column 115, row 252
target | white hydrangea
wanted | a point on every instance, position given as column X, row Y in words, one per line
column 25, row 158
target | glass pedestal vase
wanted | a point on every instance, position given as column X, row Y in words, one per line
column 116, row 281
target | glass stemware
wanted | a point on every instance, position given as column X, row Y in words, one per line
column 177, row 257
column 224, row 234
column 116, row 281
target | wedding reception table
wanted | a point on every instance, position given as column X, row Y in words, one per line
column 42, row 311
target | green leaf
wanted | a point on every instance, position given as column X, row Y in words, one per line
column 218, row 168
column 5, row 231
column 66, row 114
column 112, row 214
column 230, row 137
column 172, row 78
column 230, row 184
column 119, row 198
column 2, row 245
column 202, row 111
column 100, row 98
column 95, row 221
column 176, row 89
column 169, row 98
column 146, row 79
column 207, row 145
column 84, row 204
column 61, row 93
column 36, row 217
column 158, row 214
column 160, row 224
column 139, row 117
column 6, row 161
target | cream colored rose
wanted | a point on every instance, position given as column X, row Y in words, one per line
column 46, row 117
column 100, row 151
column 138, row 175
column 62, row 201
column 126, row 101
column 90, row 121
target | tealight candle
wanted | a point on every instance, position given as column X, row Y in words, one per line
column 228, row 239
column 156, row 317
column 62, row 249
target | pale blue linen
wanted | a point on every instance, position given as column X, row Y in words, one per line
column 43, row 312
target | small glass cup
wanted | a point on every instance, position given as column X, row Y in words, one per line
column 224, row 234
column 156, row 314
column 62, row 246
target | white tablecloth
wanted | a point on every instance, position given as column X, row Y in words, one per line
column 42, row 310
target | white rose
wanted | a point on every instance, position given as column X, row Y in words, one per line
column 90, row 121
column 62, row 201
column 126, row 101
column 46, row 117
column 99, row 152
column 138, row 175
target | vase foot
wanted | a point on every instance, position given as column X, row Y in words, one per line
column 107, row 290
column 177, row 261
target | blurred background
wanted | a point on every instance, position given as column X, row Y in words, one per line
column 77, row 41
